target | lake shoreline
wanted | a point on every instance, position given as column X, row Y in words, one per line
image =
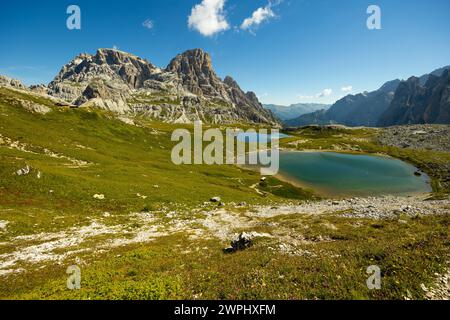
column 328, row 193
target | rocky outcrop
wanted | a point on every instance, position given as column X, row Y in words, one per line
column 186, row 91
column 106, row 95
column 241, row 242
column 415, row 103
column 34, row 107
column 39, row 89
column 9, row 82
column 247, row 104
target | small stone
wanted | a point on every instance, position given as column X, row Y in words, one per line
column 215, row 199
column 24, row 171
column 228, row 250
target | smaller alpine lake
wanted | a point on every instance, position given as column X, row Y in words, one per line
column 259, row 137
column 342, row 175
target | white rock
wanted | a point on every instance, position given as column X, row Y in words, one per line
column 24, row 171
column 3, row 224
column 422, row 286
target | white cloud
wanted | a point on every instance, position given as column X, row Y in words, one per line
column 258, row 17
column 303, row 97
column 149, row 24
column 324, row 93
column 208, row 17
column 347, row 89
column 115, row 47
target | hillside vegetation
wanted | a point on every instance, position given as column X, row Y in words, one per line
column 86, row 187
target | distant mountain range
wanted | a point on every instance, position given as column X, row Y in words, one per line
column 294, row 110
column 416, row 100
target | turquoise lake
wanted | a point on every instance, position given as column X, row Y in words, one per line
column 336, row 174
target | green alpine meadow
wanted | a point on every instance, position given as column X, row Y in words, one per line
column 133, row 167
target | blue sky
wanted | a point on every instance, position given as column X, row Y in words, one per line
column 301, row 51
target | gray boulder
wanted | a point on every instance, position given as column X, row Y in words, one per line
column 242, row 242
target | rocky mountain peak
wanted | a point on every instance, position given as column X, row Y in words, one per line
column 188, row 89
column 252, row 97
column 196, row 60
column 194, row 67
column 390, row 86
column 108, row 64
column 229, row 81
column 413, row 79
column 432, row 79
column 233, row 85
column 117, row 57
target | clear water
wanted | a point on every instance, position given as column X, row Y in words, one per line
column 259, row 137
column 339, row 174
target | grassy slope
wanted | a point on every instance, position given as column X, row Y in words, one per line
column 409, row 255
column 124, row 160
column 127, row 160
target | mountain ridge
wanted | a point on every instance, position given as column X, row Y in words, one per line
column 363, row 109
column 187, row 90
column 415, row 103
column 295, row 110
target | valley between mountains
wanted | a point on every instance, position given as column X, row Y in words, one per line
column 86, row 179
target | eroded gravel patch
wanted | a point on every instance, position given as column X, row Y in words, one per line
column 209, row 222
column 425, row 137
column 374, row 208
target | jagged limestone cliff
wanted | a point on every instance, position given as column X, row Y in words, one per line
column 187, row 90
